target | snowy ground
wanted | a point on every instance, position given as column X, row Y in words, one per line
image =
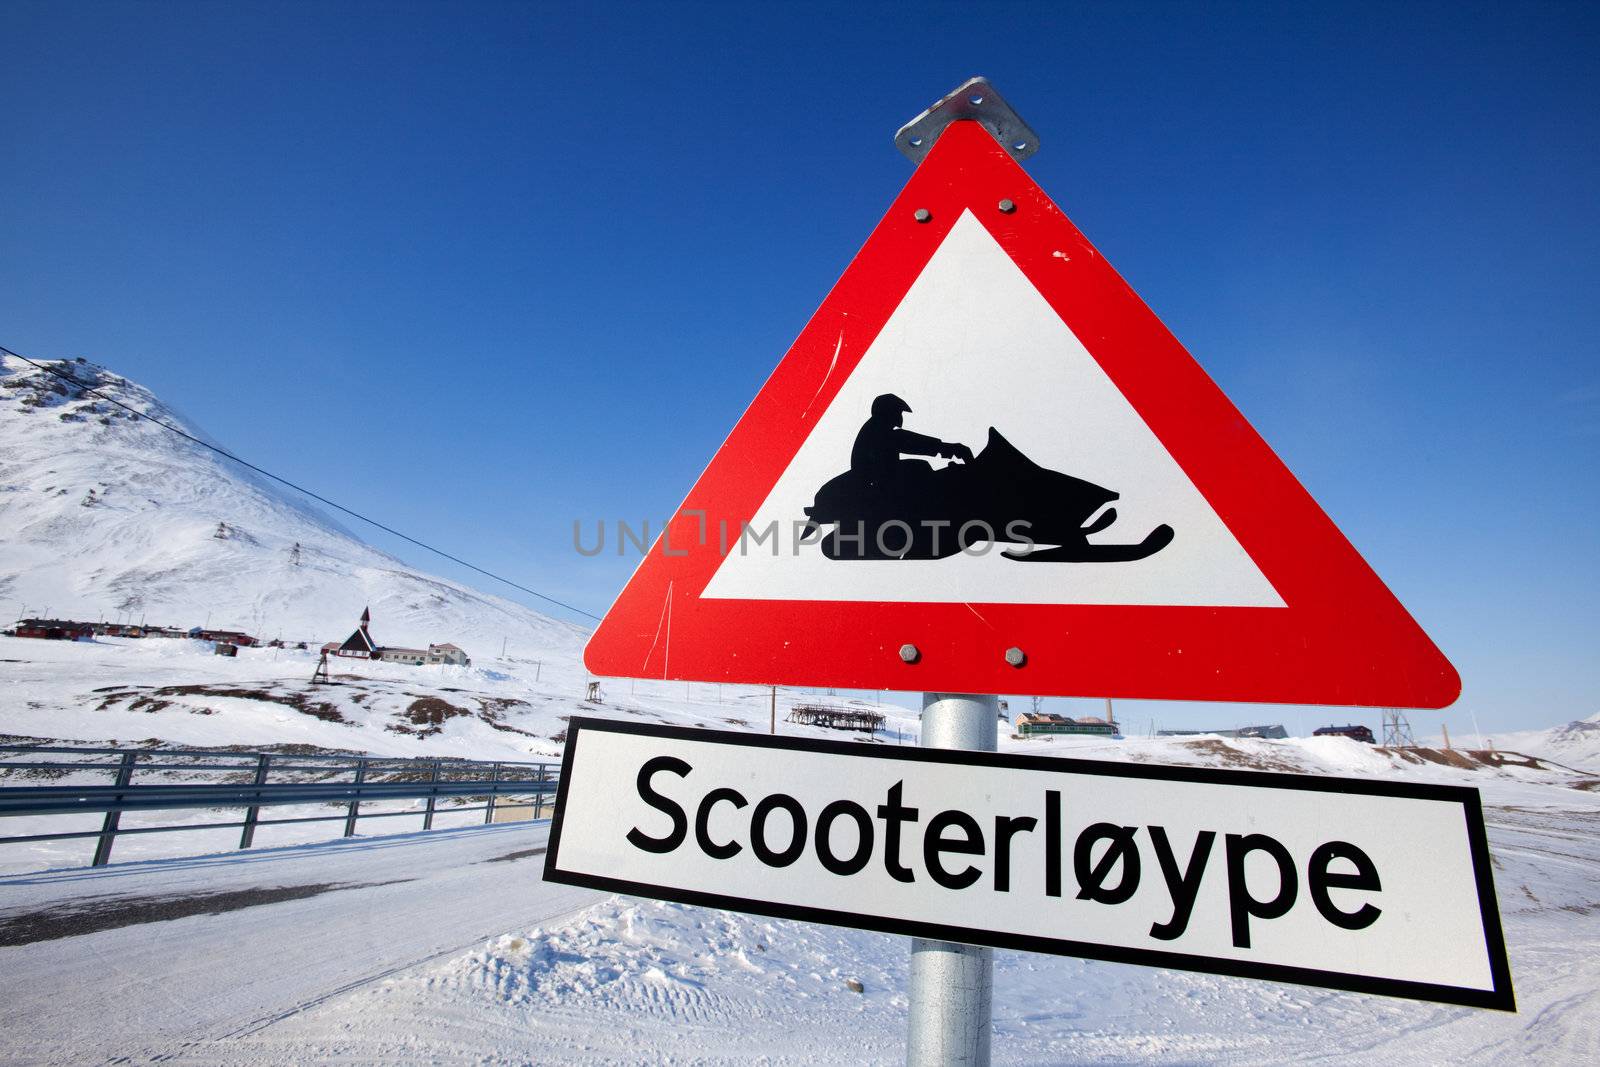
column 636, row 981
column 432, row 948
column 447, row 948
column 178, row 691
column 141, row 959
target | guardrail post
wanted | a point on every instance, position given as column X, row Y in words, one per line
column 538, row 798
column 108, row 829
column 488, row 809
column 427, row 819
column 253, row 812
column 355, row 804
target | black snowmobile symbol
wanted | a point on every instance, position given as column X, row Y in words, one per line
column 886, row 507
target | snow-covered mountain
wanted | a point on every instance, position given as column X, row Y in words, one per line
column 105, row 514
column 1576, row 744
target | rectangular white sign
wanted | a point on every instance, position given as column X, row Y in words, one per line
column 1355, row 884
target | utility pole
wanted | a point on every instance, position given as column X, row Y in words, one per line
column 502, row 647
column 774, row 726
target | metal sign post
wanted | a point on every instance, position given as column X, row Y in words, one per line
column 833, row 543
column 952, row 985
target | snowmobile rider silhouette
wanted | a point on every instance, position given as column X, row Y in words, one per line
column 882, row 440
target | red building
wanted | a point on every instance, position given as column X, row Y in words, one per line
column 118, row 629
column 55, row 629
column 231, row 637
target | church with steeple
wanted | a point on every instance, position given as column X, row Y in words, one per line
column 359, row 645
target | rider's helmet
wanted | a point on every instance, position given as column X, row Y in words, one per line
column 889, row 406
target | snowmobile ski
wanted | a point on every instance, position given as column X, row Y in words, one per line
column 1154, row 542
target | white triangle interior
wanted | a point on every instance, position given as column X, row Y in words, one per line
column 974, row 345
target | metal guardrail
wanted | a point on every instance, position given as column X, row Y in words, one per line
column 319, row 779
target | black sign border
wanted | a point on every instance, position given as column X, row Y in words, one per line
column 1500, row 998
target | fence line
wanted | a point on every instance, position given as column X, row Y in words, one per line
column 319, row 780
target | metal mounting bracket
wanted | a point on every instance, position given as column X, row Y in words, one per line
column 973, row 99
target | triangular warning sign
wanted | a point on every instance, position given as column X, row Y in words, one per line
column 986, row 467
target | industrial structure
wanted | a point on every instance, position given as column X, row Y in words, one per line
column 1397, row 730
column 835, row 717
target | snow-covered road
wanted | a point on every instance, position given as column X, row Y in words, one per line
column 447, row 948
column 139, row 960
column 631, row 981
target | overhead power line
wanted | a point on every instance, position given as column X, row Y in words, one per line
column 319, row 498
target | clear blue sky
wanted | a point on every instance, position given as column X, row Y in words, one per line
column 549, row 252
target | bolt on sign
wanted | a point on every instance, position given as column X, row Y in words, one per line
column 1352, row 884
column 985, row 466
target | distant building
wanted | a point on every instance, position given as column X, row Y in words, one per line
column 118, row 629
column 360, row 645
column 231, row 637
column 1353, row 732
column 1044, row 722
column 416, row 657
column 1273, row 732
column 55, row 629
column 138, row 629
